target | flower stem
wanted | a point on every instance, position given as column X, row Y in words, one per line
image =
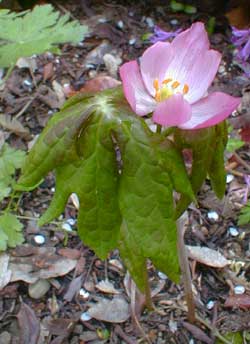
column 158, row 128
column 183, row 260
column 148, row 298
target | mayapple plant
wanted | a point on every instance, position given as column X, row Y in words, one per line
column 125, row 175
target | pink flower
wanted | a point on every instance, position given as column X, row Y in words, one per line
column 172, row 82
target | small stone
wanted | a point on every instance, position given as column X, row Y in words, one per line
column 85, row 316
column 239, row 289
column 120, row 24
column 38, row 289
column 5, row 338
column 132, row 41
column 102, row 20
column 212, row 215
column 71, row 221
column 222, row 69
column 229, row 178
column 39, row 239
column 84, row 293
column 162, row 275
column 210, row 304
column 150, row 22
column 174, row 22
column 66, row 226
column 233, row 231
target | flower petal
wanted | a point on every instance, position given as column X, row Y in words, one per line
column 193, row 64
column 135, row 92
column 154, row 63
column 211, row 110
column 199, row 76
column 172, row 112
column 187, row 46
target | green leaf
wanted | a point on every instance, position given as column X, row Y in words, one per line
column 56, row 145
column 232, row 338
column 120, row 172
column 3, row 240
column 173, row 162
column 244, row 217
column 233, row 144
column 35, row 32
column 176, row 6
column 146, row 198
column 10, row 160
column 94, row 178
column 189, row 9
column 10, row 231
column 216, row 170
column 201, row 143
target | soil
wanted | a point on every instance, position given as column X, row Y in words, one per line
column 59, row 315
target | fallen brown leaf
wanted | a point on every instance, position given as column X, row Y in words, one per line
column 114, row 311
column 29, row 325
column 238, row 301
column 207, row 256
column 14, row 126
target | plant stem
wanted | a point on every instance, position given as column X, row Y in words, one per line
column 158, row 128
column 186, row 275
column 148, row 297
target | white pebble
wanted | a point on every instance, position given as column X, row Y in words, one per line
column 150, row 22
column 174, row 22
column 162, row 275
column 212, row 215
column 120, row 24
column 84, row 293
column 27, row 82
column 239, row 289
column 210, row 304
column 229, row 178
column 39, row 239
column 85, row 316
column 233, row 231
column 132, row 41
column 66, row 226
column 71, row 221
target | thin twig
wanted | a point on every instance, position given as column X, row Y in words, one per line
column 186, row 275
column 212, row 328
column 133, row 313
column 241, row 161
column 24, row 108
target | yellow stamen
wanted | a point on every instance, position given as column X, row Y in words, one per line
column 166, row 81
column 156, row 84
column 185, row 89
column 175, row 84
column 158, row 96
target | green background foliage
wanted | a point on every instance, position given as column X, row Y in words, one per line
column 34, row 32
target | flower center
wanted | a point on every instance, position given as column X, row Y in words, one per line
column 167, row 88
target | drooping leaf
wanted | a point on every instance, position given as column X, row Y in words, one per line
column 201, row 142
column 122, row 174
column 56, row 145
column 94, row 177
column 216, row 169
column 146, row 197
column 35, row 32
column 174, row 165
column 10, row 231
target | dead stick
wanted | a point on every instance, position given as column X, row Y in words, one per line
column 186, row 275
